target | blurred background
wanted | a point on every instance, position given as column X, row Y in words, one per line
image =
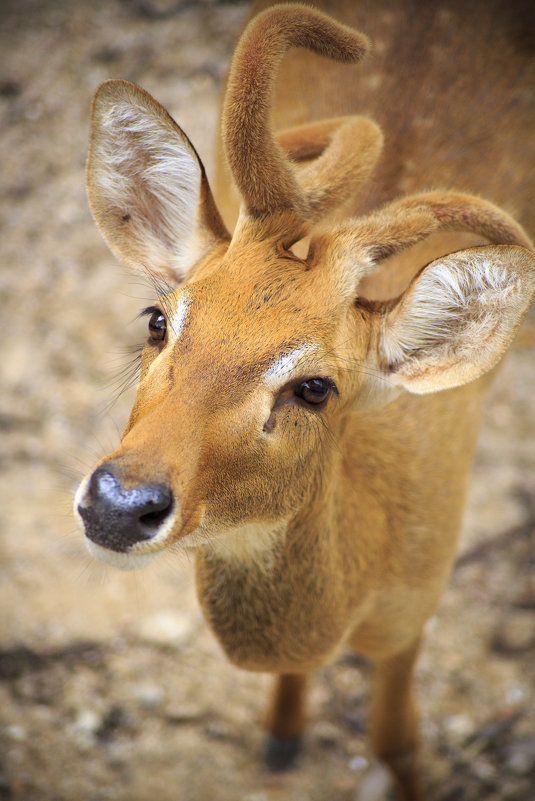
column 111, row 687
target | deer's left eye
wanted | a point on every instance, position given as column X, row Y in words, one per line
column 157, row 326
column 315, row 391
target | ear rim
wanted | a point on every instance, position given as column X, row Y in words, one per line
column 437, row 374
column 174, row 253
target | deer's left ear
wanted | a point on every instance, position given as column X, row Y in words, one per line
column 457, row 318
column 147, row 186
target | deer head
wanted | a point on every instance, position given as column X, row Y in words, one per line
column 256, row 357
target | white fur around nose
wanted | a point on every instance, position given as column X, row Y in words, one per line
column 121, row 561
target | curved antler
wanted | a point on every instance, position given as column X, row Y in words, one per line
column 263, row 173
column 347, row 149
column 405, row 222
column 456, row 211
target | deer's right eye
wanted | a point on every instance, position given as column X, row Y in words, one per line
column 157, row 326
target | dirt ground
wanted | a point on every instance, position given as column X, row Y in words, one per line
column 112, row 687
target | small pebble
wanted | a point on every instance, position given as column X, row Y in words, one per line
column 184, row 712
column 217, row 730
column 166, row 628
column 516, row 634
column 374, row 785
column 358, row 763
column 460, row 726
column 88, row 721
column 516, row 694
column 521, row 763
column 85, row 727
column 16, row 733
column 148, row 694
column 325, row 733
column 484, row 769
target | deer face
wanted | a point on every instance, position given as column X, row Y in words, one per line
column 244, row 382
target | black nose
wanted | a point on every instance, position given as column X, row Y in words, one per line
column 116, row 517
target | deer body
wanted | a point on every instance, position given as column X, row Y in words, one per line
column 306, row 423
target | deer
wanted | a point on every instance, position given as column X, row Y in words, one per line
column 323, row 337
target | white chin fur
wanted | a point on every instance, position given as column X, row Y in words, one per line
column 122, row 561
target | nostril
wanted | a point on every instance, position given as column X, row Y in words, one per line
column 161, row 510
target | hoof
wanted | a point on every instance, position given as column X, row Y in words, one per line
column 281, row 754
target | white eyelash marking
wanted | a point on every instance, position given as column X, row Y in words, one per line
column 178, row 319
column 284, row 364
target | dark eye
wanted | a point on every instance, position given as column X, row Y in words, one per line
column 157, row 326
column 315, row 390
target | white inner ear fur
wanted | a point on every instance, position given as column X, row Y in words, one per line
column 455, row 321
column 145, row 169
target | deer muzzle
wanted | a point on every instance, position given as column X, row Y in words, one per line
column 119, row 518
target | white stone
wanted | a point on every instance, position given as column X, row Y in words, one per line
column 167, row 628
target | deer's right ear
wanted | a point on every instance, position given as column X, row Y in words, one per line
column 147, row 187
column 457, row 318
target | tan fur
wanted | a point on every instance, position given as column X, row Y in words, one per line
column 321, row 527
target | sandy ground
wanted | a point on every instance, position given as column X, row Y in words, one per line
column 112, row 687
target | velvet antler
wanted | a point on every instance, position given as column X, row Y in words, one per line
column 263, row 173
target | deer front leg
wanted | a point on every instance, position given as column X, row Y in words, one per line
column 395, row 719
column 285, row 720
